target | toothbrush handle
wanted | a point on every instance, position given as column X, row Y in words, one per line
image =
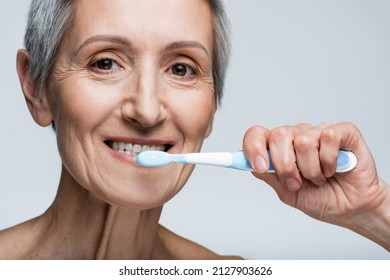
column 346, row 161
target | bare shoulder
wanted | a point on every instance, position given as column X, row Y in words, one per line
column 14, row 241
column 183, row 249
column 8, row 239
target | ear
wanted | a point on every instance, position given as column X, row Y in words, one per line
column 38, row 105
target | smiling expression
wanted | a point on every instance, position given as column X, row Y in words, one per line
column 132, row 75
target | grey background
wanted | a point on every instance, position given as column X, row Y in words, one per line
column 293, row 61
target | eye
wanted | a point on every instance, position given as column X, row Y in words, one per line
column 182, row 70
column 105, row 65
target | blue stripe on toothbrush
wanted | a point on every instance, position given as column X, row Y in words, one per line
column 342, row 159
column 239, row 161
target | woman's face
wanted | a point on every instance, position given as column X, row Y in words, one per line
column 133, row 75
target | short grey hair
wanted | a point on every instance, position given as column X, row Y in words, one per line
column 222, row 47
column 46, row 25
column 48, row 21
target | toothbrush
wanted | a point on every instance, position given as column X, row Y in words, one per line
column 346, row 161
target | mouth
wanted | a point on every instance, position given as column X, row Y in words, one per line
column 133, row 149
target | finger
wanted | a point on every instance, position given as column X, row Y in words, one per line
column 304, row 126
column 306, row 147
column 255, row 148
column 344, row 136
column 283, row 156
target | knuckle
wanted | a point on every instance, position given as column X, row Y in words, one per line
column 254, row 138
column 303, row 142
column 351, row 126
column 280, row 133
column 304, row 125
column 253, row 130
column 324, row 124
column 353, row 134
column 328, row 134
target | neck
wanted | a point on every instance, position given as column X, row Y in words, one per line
column 79, row 225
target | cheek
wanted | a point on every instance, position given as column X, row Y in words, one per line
column 193, row 113
column 81, row 108
column 83, row 105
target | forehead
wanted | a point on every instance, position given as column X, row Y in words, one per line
column 144, row 22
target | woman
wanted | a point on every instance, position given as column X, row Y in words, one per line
column 118, row 85
column 137, row 75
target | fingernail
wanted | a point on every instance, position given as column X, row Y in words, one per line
column 260, row 165
column 292, row 184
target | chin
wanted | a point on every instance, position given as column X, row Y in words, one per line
column 144, row 188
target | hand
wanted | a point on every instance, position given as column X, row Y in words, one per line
column 305, row 160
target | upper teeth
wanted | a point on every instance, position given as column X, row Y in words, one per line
column 131, row 149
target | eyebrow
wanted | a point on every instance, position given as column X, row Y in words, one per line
column 124, row 41
column 105, row 38
column 186, row 44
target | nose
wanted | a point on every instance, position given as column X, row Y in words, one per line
column 144, row 105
